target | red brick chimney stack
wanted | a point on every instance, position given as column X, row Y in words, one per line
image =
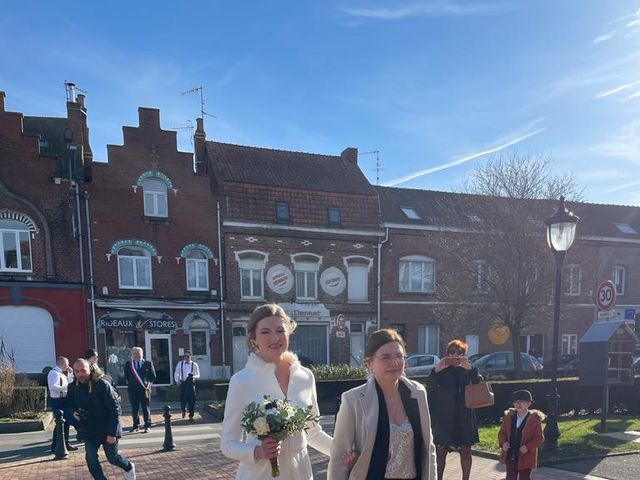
column 200, row 150
column 2, row 95
column 350, row 154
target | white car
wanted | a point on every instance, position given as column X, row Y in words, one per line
column 420, row 364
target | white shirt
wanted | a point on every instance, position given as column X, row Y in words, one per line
column 183, row 369
column 520, row 419
column 58, row 382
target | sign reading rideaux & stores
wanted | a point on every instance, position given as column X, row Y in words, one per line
column 138, row 322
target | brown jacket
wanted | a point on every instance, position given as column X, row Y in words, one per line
column 532, row 437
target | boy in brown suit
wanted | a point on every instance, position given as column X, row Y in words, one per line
column 520, row 437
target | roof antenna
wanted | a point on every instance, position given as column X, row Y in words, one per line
column 187, row 126
column 378, row 163
column 70, row 90
column 199, row 89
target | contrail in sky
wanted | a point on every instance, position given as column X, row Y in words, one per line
column 464, row 159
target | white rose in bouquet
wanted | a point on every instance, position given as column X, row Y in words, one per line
column 261, row 426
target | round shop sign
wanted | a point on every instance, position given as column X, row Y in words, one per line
column 279, row 279
column 332, row 281
column 499, row 333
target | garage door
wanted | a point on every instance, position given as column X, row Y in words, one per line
column 28, row 332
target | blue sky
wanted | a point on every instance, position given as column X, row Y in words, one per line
column 433, row 85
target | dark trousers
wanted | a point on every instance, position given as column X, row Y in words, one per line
column 187, row 396
column 111, row 451
column 138, row 397
column 61, row 404
column 513, row 472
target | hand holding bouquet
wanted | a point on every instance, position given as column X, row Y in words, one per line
column 277, row 419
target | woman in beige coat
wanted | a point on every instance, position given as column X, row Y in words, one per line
column 386, row 420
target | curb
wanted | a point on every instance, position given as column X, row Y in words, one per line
column 27, row 426
column 485, row 454
column 550, row 463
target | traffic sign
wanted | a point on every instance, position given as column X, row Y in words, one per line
column 606, row 295
column 606, row 314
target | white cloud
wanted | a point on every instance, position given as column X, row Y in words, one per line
column 615, row 90
column 624, row 145
column 424, row 9
column 623, row 186
column 604, row 37
column 466, row 158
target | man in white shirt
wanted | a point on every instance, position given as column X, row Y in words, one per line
column 58, row 380
column 186, row 372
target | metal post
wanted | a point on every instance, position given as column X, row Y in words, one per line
column 60, row 450
column 605, row 409
column 551, row 430
column 168, row 435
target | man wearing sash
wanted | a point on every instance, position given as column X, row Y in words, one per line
column 139, row 374
column 186, row 372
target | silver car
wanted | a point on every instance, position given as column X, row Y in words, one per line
column 420, row 364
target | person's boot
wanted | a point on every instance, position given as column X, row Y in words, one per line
column 184, row 413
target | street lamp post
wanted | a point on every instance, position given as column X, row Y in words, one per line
column 561, row 231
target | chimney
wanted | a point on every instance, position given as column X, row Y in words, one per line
column 71, row 91
column 2, row 95
column 350, row 154
column 200, row 150
column 149, row 118
column 78, row 130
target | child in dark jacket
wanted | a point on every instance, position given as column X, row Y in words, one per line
column 520, row 436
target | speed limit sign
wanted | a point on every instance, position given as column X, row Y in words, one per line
column 606, row 295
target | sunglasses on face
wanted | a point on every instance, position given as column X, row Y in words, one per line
column 455, row 352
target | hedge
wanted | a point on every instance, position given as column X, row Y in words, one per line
column 574, row 398
column 29, row 399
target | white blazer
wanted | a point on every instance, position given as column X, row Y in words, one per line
column 357, row 424
column 249, row 385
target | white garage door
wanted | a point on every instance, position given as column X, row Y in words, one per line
column 28, row 332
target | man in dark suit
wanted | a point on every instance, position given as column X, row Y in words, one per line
column 139, row 374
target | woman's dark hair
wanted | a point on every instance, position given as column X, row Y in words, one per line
column 381, row 337
column 457, row 345
column 90, row 352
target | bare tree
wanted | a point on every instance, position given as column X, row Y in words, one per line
column 504, row 256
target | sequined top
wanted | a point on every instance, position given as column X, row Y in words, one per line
column 401, row 462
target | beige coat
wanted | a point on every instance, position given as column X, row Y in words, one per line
column 357, row 424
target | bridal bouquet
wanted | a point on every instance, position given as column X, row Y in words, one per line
column 275, row 418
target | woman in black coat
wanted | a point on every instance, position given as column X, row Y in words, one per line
column 455, row 427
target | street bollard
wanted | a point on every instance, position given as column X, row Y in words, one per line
column 60, row 450
column 168, row 435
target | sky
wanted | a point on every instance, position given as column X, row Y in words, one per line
column 436, row 87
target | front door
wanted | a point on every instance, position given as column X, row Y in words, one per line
column 158, row 350
column 240, row 349
column 357, row 343
column 200, row 351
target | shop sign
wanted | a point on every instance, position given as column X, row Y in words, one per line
column 136, row 323
column 332, row 281
column 280, row 279
column 306, row 311
column 499, row 333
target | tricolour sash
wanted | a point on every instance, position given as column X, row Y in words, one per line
column 136, row 376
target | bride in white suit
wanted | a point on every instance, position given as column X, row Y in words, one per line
column 271, row 370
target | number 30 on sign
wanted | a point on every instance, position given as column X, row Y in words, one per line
column 606, row 295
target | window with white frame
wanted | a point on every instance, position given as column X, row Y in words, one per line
column 252, row 278
column 155, row 197
column 428, row 339
column 197, row 264
column 15, row 245
column 573, row 280
column 357, row 282
column 569, row 344
column 480, row 277
column 134, row 268
column 417, row 274
column 306, row 280
column 618, row 277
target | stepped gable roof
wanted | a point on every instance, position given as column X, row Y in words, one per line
column 50, row 129
column 462, row 210
column 289, row 169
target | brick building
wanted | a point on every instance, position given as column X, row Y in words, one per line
column 45, row 165
column 154, row 240
column 299, row 229
column 431, row 297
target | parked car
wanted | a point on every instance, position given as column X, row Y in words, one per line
column 420, row 364
column 476, row 356
column 568, row 366
column 500, row 364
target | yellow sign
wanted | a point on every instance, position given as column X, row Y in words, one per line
column 499, row 333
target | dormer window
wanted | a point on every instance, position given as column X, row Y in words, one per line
column 410, row 213
column 626, row 228
column 282, row 212
column 474, row 218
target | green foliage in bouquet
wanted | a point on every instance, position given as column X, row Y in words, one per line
column 275, row 418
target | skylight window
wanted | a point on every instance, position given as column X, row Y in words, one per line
column 474, row 218
column 626, row 228
column 410, row 213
